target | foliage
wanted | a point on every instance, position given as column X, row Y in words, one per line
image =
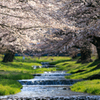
column 31, row 26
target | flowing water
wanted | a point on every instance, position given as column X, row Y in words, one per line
column 49, row 86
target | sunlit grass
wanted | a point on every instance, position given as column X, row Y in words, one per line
column 83, row 71
column 9, row 86
column 21, row 69
column 92, row 87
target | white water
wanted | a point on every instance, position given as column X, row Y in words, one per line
column 48, row 84
column 52, row 91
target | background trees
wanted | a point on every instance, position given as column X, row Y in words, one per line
column 49, row 26
column 86, row 16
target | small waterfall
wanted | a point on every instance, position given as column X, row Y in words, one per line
column 55, row 74
column 49, row 86
column 48, row 82
column 49, row 78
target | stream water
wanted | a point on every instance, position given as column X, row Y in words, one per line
column 49, row 86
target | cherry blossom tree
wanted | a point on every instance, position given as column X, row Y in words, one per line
column 24, row 22
column 27, row 24
column 85, row 15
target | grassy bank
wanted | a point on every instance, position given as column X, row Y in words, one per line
column 90, row 72
column 89, row 86
column 21, row 69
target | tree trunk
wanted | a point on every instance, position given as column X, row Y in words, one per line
column 9, row 56
column 85, row 56
column 96, row 42
column 98, row 52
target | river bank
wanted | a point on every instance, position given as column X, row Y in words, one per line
column 47, row 87
column 21, row 69
column 89, row 72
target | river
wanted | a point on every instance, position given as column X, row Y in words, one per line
column 49, row 86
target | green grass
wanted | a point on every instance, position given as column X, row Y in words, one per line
column 87, row 71
column 92, row 87
column 21, row 69
column 9, row 86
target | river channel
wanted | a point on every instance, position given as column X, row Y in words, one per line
column 49, row 86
